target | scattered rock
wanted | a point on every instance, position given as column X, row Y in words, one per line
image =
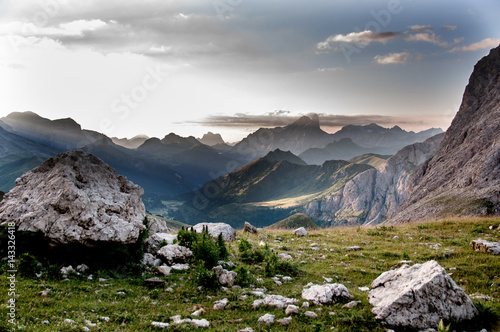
column 45, row 322
column 67, row 270
column 300, row 231
column 248, row 228
column 105, row 318
column 486, row 246
column 164, row 270
column 285, row 257
column 327, row 293
column 311, row 314
column 225, row 277
column 214, row 229
column 221, row 304
column 154, row 282
column 418, row 297
column 266, row 319
column 175, row 253
column 277, row 301
column 85, row 329
column 351, row 304
column 177, row 319
column 160, row 324
column 353, row 248
column 153, row 243
column 246, row 329
column 180, row 267
column 44, row 293
column 200, row 323
column 364, row 289
column 292, row 309
column 305, row 304
column 285, row 321
column 69, row 321
column 76, row 197
column 82, row 268
column 150, row 260
column 287, row 279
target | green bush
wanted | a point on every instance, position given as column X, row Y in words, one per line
column 204, row 278
column 28, row 265
column 203, row 246
column 250, row 255
column 275, row 266
column 244, row 278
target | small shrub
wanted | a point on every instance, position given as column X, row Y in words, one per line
column 275, row 266
column 250, row 255
column 405, row 256
column 205, row 250
column 244, row 278
column 28, row 265
column 204, row 278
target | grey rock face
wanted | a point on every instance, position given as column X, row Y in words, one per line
column 486, row 246
column 153, row 242
column 376, row 193
column 225, row 277
column 327, row 293
column 463, row 177
column 418, row 297
column 76, row 197
column 157, row 225
column 214, row 229
column 174, row 253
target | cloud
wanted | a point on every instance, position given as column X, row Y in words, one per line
column 363, row 38
column 480, row 45
column 420, row 28
column 392, row 58
column 329, row 69
column 283, row 118
column 450, row 27
column 428, row 37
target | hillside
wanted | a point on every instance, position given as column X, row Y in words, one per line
column 463, row 177
column 295, row 221
column 375, row 160
column 266, row 190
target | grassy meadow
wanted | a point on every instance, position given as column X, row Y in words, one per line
column 126, row 304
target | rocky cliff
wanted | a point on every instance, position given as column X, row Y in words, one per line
column 463, row 177
column 376, row 193
column 75, row 197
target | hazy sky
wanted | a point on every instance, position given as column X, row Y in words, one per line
column 158, row 66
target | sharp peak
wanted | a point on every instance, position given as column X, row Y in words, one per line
column 310, row 121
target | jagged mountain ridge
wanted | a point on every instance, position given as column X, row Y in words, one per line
column 306, row 139
column 376, row 193
column 463, row 177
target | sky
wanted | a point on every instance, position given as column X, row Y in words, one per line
column 153, row 67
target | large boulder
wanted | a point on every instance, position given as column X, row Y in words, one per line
column 327, row 293
column 418, row 297
column 76, row 197
column 174, row 253
column 214, row 229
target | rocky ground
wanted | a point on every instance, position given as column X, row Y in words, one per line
column 337, row 272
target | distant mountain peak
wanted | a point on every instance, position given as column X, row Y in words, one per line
column 306, row 121
column 279, row 156
column 211, row 139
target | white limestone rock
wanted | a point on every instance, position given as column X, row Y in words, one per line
column 76, row 197
column 175, row 253
column 418, row 297
column 214, row 229
column 327, row 293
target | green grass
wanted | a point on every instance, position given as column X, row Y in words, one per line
column 295, row 221
column 80, row 299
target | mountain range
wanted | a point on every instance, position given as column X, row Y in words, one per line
column 257, row 172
